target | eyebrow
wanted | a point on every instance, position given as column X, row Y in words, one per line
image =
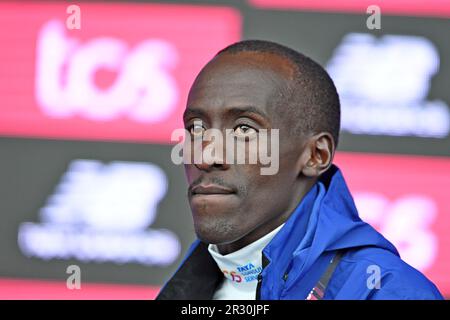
column 246, row 110
column 193, row 113
column 235, row 111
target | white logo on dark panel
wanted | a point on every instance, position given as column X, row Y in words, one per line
column 384, row 83
column 101, row 212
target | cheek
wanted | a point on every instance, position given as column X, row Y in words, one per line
column 259, row 189
column 268, row 191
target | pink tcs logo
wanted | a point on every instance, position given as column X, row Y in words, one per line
column 406, row 199
column 405, row 221
column 124, row 75
column 144, row 88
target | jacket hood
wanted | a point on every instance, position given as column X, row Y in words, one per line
column 338, row 223
column 326, row 220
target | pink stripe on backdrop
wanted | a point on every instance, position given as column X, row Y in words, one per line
column 14, row 289
column 434, row 8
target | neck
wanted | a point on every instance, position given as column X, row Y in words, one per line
column 260, row 231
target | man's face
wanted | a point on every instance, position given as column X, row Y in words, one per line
column 231, row 201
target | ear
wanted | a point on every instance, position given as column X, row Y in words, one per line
column 318, row 154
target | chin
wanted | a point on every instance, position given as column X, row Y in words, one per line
column 216, row 231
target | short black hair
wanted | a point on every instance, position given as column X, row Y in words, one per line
column 312, row 98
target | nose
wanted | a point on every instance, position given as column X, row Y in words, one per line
column 213, row 153
column 215, row 165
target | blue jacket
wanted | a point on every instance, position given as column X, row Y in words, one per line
column 325, row 222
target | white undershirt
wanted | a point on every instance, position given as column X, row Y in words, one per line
column 241, row 269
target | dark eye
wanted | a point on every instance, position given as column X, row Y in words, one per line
column 197, row 129
column 244, row 130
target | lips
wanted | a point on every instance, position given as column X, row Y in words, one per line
column 211, row 190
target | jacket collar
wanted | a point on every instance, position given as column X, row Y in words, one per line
column 196, row 279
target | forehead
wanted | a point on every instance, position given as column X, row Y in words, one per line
column 245, row 78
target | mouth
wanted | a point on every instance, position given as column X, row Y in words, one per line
column 207, row 198
column 211, row 190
